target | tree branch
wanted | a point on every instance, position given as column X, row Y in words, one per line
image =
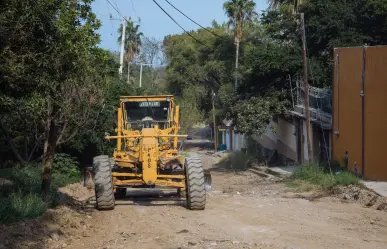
column 73, row 134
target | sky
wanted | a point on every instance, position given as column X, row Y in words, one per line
column 154, row 22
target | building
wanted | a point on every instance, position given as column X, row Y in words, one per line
column 284, row 142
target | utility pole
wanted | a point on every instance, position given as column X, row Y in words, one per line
column 306, row 90
column 141, row 75
column 214, row 120
column 141, row 65
column 128, row 71
column 236, row 63
column 122, row 46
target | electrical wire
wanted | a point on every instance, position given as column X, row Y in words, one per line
column 113, row 27
column 117, row 11
column 178, row 24
column 213, row 33
column 134, row 10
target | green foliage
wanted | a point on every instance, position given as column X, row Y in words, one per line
column 315, row 174
column 132, row 39
column 239, row 12
column 66, row 169
column 189, row 107
column 252, row 116
column 22, row 199
column 20, row 206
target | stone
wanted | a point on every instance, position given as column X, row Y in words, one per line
column 54, row 236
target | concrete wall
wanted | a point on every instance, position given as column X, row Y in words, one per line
column 278, row 145
column 280, row 136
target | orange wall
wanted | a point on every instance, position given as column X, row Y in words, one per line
column 347, row 106
column 375, row 125
column 347, row 109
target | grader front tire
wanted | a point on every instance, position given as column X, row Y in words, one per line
column 103, row 182
column 195, row 190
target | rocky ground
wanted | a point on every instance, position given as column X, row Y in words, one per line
column 250, row 209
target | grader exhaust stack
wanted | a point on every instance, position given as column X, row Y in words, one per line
column 147, row 154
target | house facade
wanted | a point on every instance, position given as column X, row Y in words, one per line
column 284, row 142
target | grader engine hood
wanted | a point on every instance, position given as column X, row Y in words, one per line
column 148, row 155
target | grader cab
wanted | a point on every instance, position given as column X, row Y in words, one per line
column 147, row 154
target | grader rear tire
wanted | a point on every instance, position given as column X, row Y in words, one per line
column 103, row 183
column 195, row 191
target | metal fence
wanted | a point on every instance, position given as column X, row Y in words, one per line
column 319, row 99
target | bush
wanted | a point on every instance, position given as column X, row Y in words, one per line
column 238, row 161
column 315, row 174
column 20, row 206
column 22, row 200
column 65, row 170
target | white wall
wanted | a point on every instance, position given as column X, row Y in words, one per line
column 281, row 137
column 238, row 140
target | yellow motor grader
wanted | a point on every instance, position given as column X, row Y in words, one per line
column 147, row 154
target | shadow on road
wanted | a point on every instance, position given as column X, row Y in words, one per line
column 150, row 197
column 197, row 145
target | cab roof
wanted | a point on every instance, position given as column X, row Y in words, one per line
column 145, row 98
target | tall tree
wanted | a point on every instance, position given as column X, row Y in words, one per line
column 293, row 4
column 239, row 12
column 50, row 75
column 132, row 39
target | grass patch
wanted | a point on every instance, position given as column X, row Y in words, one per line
column 317, row 175
column 300, row 186
column 22, row 200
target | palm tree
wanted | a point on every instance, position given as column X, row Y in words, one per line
column 239, row 12
column 293, row 4
column 132, row 39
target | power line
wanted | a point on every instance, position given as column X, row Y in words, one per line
column 179, row 24
column 134, row 10
column 124, row 17
column 117, row 11
column 213, row 33
column 111, row 23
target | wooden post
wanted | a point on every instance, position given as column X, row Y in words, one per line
column 214, row 120
column 306, row 91
column 230, row 130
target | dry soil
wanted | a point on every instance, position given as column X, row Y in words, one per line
column 244, row 210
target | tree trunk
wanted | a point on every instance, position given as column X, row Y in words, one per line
column 236, row 63
column 49, row 151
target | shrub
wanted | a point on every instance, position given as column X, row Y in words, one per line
column 22, row 200
column 315, row 174
column 65, row 170
column 20, row 206
column 238, row 161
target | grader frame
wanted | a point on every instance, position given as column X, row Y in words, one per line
column 147, row 155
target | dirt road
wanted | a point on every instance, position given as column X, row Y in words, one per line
column 243, row 211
